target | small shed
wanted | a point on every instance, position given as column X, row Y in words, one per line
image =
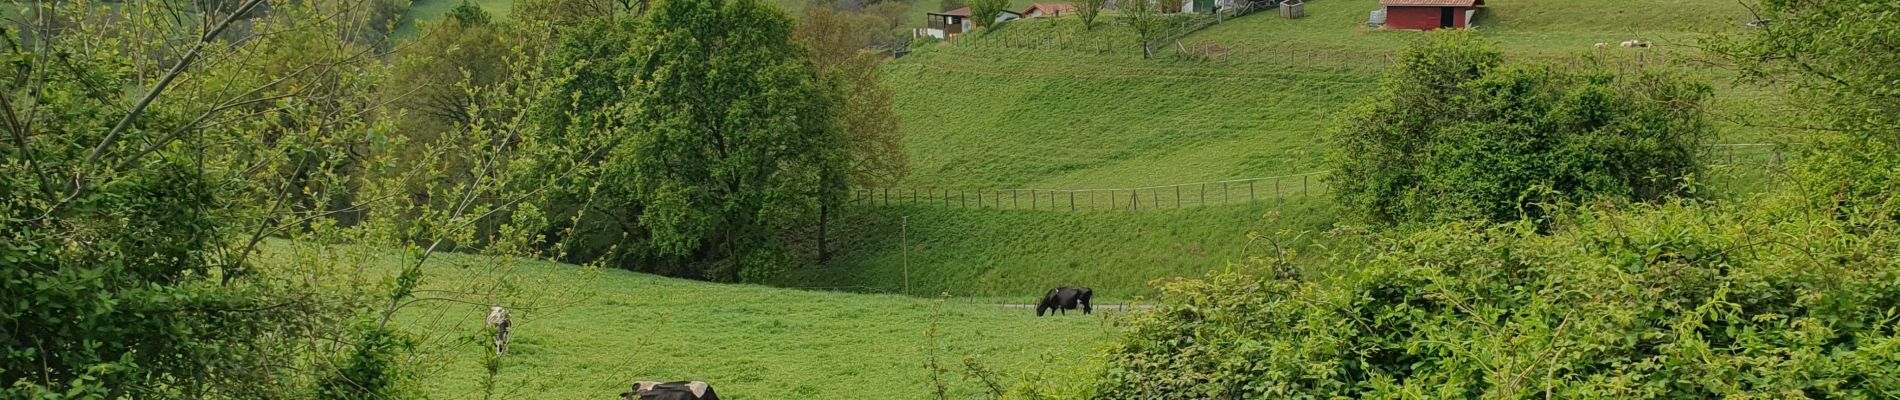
column 1045, row 10
column 1429, row 14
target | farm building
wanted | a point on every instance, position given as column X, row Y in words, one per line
column 1043, row 10
column 949, row 24
column 1429, row 14
column 1200, row 6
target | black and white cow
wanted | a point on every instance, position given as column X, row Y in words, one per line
column 499, row 323
column 679, row 390
column 1063, row 299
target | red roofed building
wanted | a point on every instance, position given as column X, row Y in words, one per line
column 1043, row 10
column 1429, row 14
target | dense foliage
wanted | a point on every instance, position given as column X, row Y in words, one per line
column 127, row 224
column 1679, row 300
column 1793, row 294
column 721, row 136
column 1457, row 133
column 172, row 203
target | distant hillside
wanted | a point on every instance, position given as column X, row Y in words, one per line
column 431, row 10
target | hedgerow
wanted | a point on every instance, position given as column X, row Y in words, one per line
column 1678, row 300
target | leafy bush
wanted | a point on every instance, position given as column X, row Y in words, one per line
column 1456, row 133
column 1677, row 300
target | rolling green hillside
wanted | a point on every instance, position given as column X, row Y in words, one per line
column 1023, row 106
column 1045, row 104
column 603, row 330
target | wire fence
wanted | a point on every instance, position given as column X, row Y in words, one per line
column 1185, row 195
column 1731, row 163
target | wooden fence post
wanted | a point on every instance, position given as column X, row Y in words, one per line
column 1134, row 199
column 1071, row 201
column 1013, row 203
column 1177, row 196
column 1250, row 197
column 1223, row 192
column 1032, row 199
column 1304, row 189
column 1276, row 190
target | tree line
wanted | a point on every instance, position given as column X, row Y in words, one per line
column 196, row 196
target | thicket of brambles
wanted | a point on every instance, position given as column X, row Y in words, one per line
column 1457, row 133
column 195, row 196
column 1572, row 275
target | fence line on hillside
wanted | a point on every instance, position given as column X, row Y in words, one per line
column 1187, row 22
column 1732, row 160
column 1184, row 195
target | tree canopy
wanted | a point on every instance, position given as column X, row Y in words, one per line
column 722, row 138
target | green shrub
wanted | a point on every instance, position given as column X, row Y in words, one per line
column 1456, row 133
column 1659, row 301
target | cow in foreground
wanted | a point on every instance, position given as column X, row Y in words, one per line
column 680, row 390
column 1063, row 299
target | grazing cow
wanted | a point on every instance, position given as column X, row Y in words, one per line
column 498, row 322
column 679, row 390
column 1063, row 299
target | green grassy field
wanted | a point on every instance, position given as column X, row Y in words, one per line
column 432, row 10
column 1016, row 255
column 599, row 331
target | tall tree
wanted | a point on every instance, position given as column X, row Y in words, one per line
column 837, row 44
column 724, row 138
column 870, row 126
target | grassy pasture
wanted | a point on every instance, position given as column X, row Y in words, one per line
column 601, row 330
column 1016, row 255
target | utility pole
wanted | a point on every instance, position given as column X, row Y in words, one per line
column 903, row 239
